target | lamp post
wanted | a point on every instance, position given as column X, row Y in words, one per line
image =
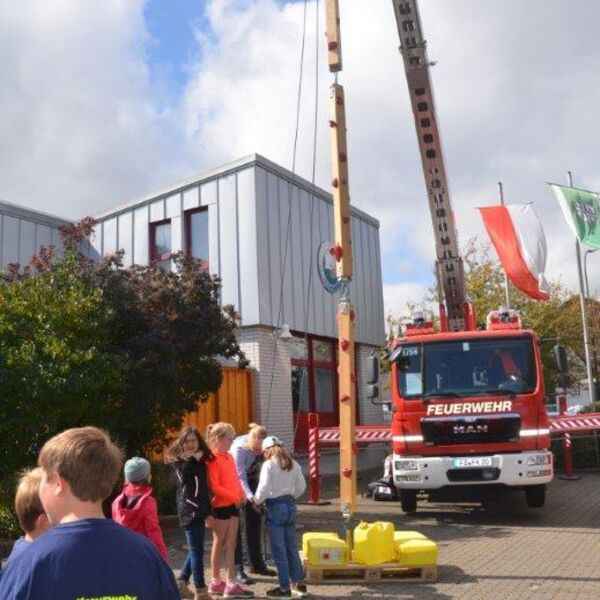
column 593, row 309
column 587, row 285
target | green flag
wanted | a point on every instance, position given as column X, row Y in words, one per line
column 582, row 212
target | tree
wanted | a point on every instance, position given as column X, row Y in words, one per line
column 128, row 349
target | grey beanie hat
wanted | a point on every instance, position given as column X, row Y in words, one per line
column 137, row 469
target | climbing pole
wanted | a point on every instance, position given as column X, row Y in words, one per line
column 342, row 251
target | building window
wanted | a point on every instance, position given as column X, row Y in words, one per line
column 314, row 384
column 196, row 235
column 160, row 244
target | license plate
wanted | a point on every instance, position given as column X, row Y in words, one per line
column 473, row 461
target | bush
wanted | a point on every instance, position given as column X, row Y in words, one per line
column 131, row 350
column 9, row 526
column 585, row 451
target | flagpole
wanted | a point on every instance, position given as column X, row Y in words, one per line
column 586, row 337
column 506, row 295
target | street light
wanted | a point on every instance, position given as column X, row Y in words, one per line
column 587, row 286
column 592, row 311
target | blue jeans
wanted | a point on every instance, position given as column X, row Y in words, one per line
column 194, row 561
column 281, row 527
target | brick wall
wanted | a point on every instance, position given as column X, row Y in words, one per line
column 270, row 358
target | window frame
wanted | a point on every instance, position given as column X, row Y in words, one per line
column 312, row 364
column 187, row 221
column 156, row 258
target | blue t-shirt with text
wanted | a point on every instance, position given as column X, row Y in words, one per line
column 90, row 559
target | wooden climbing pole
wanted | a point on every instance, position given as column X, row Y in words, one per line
column 342, row 251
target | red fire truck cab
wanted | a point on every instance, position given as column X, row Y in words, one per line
column 468, row 410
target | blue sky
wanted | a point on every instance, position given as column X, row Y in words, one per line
column 108, row 100
column 172, row 47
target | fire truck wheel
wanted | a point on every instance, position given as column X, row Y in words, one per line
column 408, row 500
column 535, row 495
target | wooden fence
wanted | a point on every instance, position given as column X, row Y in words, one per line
column 232, row 402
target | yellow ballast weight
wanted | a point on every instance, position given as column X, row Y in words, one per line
column 416, row 553
column 321, row 548
column 374, row 543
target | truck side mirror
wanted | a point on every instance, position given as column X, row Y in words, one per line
column 372, row 369
column 560, row 359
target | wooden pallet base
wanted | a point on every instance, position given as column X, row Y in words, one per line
column 372, row 574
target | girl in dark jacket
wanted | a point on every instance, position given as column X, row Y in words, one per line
column 188, row 456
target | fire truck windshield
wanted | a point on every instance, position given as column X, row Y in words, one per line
column 462, row 368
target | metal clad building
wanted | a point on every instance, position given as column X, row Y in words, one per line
column 23, row 232
column 264, row 230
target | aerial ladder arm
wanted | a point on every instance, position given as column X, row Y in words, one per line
column 457, row 315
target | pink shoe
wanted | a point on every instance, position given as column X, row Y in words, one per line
column 235, row 590
column 216, row 589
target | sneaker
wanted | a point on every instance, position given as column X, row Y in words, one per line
column 241, row 577
column 235, row 590
column 278, row 593
column 299, row 590
column 216, row 589
column 185, row 591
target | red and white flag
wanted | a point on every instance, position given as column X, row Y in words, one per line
column 519, row 239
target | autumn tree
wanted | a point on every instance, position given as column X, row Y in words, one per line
column 127, row 349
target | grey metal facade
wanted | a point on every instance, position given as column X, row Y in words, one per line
column 265, row 227
column 23, row 232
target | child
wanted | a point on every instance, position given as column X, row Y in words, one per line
column 84, row 555
column 281, row 482
column 247, row 454
column 188, row 455
column 228, row 496
column 30, row 512
column 135, row 508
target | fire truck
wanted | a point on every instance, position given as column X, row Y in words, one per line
column 468, row 405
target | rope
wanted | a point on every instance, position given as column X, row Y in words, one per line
column 312, row 196
column 289, row 218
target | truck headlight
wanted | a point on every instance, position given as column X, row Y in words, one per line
column 406, row 465
column 539, row 459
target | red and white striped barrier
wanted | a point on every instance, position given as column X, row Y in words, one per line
column 363, row 434
column 314, row 453
column 561, row 425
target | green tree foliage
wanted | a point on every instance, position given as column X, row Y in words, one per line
column 127, row 349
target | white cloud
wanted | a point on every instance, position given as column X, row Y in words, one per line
column 78, row 128
column 515, row 100
column 398, row 297
column 515, row 88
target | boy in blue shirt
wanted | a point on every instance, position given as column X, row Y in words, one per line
column 85, row 555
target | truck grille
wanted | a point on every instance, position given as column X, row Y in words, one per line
column 481, row 429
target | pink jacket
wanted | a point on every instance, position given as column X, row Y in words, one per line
column 136, row 509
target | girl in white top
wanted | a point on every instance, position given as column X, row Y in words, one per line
column 280, row 483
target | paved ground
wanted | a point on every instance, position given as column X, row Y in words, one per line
column 500, row 550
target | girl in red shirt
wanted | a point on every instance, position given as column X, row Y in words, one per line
column 228, row 496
